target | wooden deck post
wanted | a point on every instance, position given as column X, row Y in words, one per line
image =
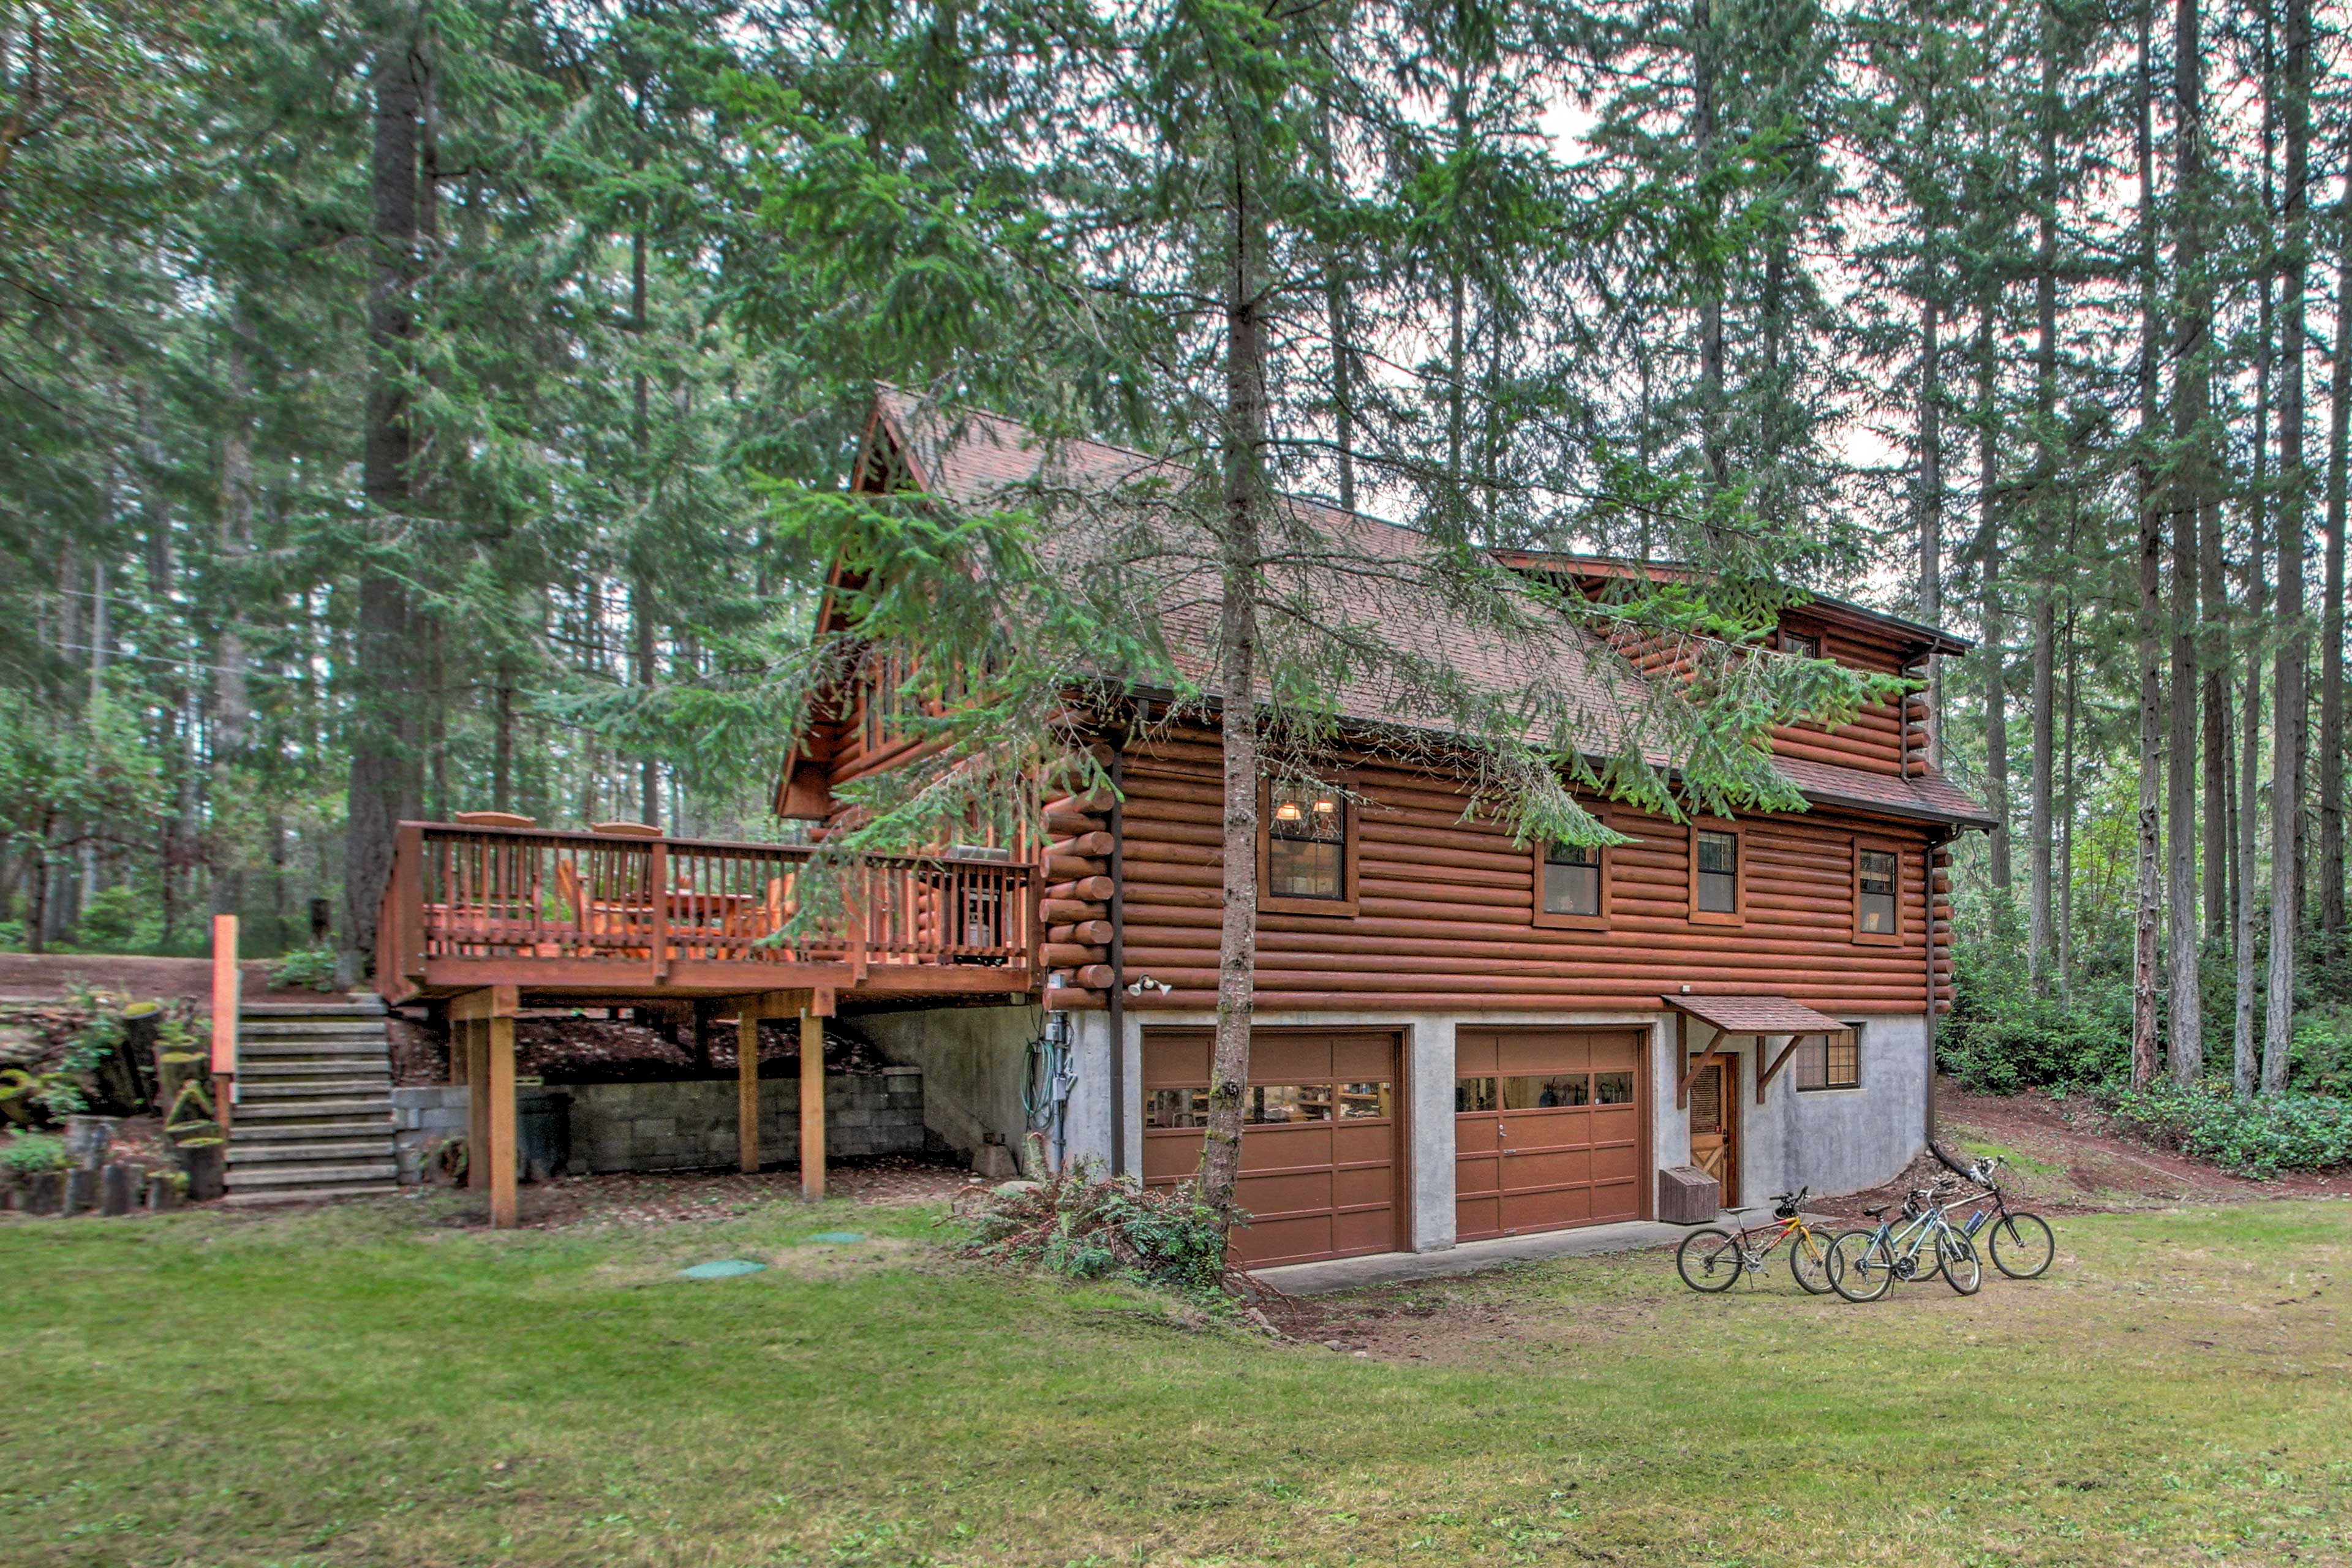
column 811, row 1103
column 499, row 1080
column 747, row 1086
column 478, row 1103
column 226, row 992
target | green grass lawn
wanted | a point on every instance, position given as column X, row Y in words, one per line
column 365, row 1386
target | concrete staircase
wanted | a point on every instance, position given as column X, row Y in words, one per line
column 313, row 1117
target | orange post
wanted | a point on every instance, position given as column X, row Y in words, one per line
column 811, row 1104
column 225, row 1007
column 499, row 1083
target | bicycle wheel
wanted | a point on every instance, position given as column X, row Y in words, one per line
column 1811, row 1263
column 2022, row 1245
column 1962, row 1269
column 1860, row 1267
column 1709, row 1259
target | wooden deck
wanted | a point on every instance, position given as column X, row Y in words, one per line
column 560, row 915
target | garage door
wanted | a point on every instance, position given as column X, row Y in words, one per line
column 1547, row 1129
column 1319, row 1163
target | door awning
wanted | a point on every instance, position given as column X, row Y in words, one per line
column 1755, row 1015
column 1758, row 1016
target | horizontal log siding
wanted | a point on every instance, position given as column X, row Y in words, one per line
column 1446, row 906
column 1875, row 741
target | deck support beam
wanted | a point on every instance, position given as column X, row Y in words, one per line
column 747, row 1089
column 811, row 1104
column 485, row 1022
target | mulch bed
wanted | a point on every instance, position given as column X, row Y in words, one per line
column 670, row 1198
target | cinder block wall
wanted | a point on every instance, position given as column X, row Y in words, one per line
column 689, row 1125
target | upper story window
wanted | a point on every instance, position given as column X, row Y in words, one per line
column 1307, row 845
column 1571, row 886
column 1877, row 884
column 1719, row 873
column 1801, row 645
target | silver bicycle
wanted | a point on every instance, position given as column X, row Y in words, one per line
column 1914, row 1247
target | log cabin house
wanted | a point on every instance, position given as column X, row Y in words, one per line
column 1455, row 1036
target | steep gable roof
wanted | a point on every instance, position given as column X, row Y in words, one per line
column 977, row 459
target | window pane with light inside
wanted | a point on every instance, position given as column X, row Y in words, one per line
column 1306, row 845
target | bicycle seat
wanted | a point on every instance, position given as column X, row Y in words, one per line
column 1880, row 1209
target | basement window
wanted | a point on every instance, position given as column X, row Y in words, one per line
column 1830, row 1062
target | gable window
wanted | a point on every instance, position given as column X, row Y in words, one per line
column 1718, row 874
column 1877, row 894
column 1571, row 886
column 1801, row 645
column 1830, row 1062
column 1309, row 865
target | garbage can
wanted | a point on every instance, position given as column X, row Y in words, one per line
column 542, row 1133
column 1688, row 1196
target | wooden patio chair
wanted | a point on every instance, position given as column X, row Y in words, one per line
column 493, row 819
column 765, row 917
column 625, row 829
column 593, row 919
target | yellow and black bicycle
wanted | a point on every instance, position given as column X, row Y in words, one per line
column 1712, row 1258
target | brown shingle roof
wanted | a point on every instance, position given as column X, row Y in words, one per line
column 975, row 458
column 1755, row 1015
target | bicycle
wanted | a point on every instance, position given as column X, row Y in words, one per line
column 1866, row 1271
column 2022, row 1245
column 1712, row 1259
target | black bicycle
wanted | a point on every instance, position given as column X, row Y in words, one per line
column 2022, row 1244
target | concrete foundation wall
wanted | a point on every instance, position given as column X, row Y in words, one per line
column 971, row 1060
column 689, row 1125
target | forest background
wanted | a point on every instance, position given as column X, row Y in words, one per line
column 404, row 405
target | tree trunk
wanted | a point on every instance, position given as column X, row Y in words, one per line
column 2066, row 822
column 1710, row 310
column 1995, row 623
column 2331, row 635
column 2045, row 508
column 2185, row 496
column 2245, row 1068
column 1244, row 440
column 383, row 721
column 1931, row 495
column 232, row 703
column 2149, row 890
column 2288, row 673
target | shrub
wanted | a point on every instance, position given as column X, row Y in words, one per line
column 111, row 920
column 2320, row 1059
column 310, row 966
column 1085, row 1226
column 2258, row 1138
column 2001, row 1038
column 26, row 1152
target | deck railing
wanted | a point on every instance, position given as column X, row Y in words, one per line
column 643, row 904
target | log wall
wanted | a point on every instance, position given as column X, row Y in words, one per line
column 1445, row 917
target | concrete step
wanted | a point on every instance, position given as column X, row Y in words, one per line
column 321, row 1194
column 246, row 1132
column 378, row 1104
column 373, row 1147
column 342, row 1086
column 312, row 1173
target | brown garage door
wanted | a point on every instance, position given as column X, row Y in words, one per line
column 1320, row 1162
column 1547, row 1129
